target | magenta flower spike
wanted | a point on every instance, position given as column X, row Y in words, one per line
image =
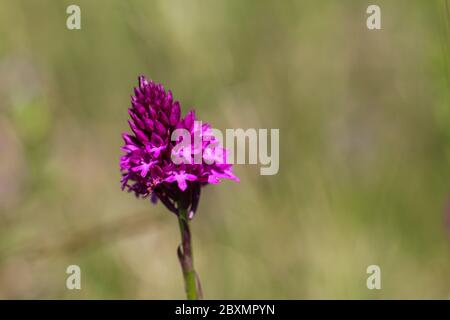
column 149, row 170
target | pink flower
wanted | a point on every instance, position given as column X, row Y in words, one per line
column 147, row 167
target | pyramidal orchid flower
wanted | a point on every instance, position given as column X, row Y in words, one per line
column 149, row 170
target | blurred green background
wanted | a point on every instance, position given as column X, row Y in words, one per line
column 364, row 119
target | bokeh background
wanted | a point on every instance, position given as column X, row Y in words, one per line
column 364, row 119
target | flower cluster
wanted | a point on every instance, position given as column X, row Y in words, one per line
column 147, row 166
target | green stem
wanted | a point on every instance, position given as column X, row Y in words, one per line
column 185, row 255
